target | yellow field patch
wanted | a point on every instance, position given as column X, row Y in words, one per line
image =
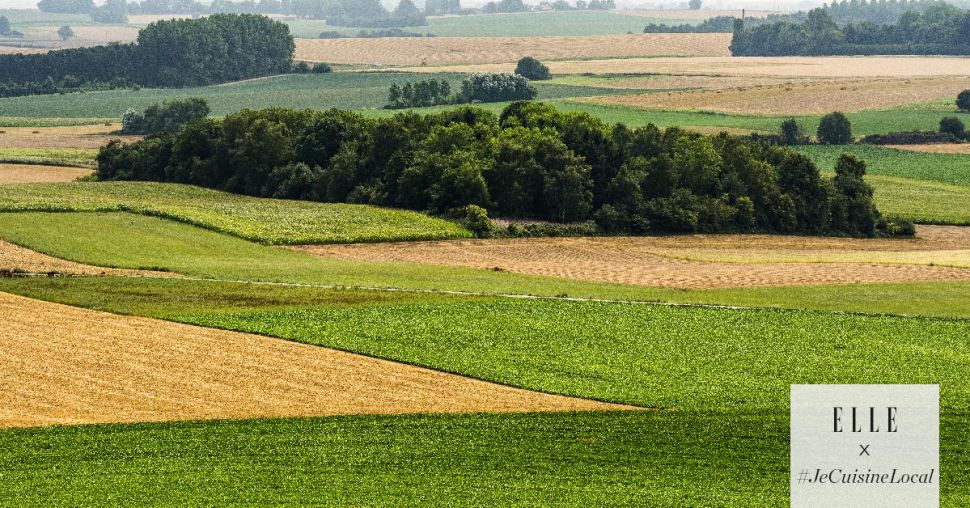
column 957, row 148
column 28, row 173
column 805, row 98
column 62, row 365
column 789, row 67
column 450, row 51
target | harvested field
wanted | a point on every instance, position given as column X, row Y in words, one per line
column 15, row 50
column 798, row 98
column 957, row 148
column 86, row 137
column 695, row 262
column 450, row 51
column 63, row 365
column 16, row 258
column 26, row 173
column 791, row 67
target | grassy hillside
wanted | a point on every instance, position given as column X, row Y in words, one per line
column 269, row 221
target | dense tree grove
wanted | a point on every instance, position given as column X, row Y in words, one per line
column 169, row 116
column 963, row 100
column 531, row 162
column 834, row 129
column 442, row 7
column 940, row 30
column 532, row 69
column 430, row 92
column 174, row 53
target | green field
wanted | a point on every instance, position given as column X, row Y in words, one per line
column 953, row 169
column 82, row 157
column 507, row 25
column 921, row 201
column 344, row 90
column 718, row 378
column 270, row 221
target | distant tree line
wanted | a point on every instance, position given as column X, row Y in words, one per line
column 372, row 34
column 718, row 24
column 442, row 7
column 532, row 162
column 595, row 5
column 881, row 12
column 174, row 53
column 940, row 30
column 475, row 88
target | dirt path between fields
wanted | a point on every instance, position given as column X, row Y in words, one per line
column 695, row 261
column 65, row 365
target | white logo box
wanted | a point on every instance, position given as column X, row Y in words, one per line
column 865, row 446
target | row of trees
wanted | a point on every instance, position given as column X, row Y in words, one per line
column 593, row 5
column 475, row 88
column 174, row 53
column 940, row 30
column 846, row 12
column 531, row 162
column 169, row 116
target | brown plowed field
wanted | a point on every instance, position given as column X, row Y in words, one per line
column 64, row 365
column 484, row 50
column 799, row 98
column 26, row 173
column 697, row 261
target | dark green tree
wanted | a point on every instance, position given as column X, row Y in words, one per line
column 834, row 129
column 532, row 69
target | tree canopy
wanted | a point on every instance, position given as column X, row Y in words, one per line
column 530, row 162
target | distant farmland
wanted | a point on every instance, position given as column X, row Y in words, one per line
column 485, row 50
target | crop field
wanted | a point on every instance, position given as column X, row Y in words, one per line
column 459, row 51
column 125, row 369
column 269, row 221
column 165, row 344
column 801, row 98
column 78, row 157
column 737, row 360
column 87, row 137
column 25, row 173
column 695, row 262
column 723, row 65
column 348, row 90
column 531, row 24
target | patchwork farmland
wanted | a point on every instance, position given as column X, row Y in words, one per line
column 387, row 281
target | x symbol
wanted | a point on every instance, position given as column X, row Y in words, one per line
column 865, row 450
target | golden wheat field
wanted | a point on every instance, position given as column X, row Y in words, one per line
column 697, row 261
column 28, row 173
column 798, row 98
column 783, row 67
column 81, row 137
column 955, row 148
column 449, row 51
column 111, row 368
